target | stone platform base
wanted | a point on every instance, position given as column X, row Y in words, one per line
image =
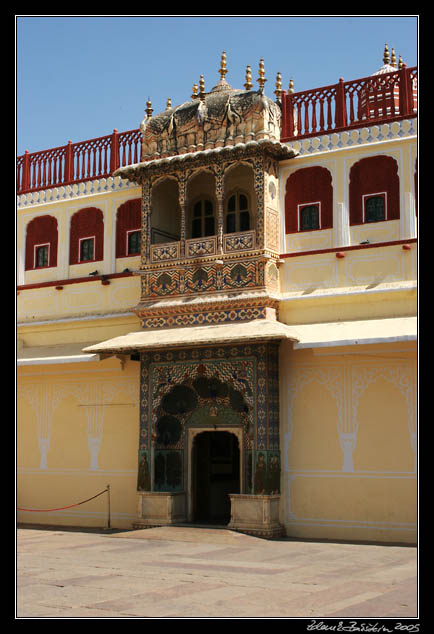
column 256, row 515
column 159, row 509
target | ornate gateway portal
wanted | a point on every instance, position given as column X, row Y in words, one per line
column 210, row 239
column 188, row 393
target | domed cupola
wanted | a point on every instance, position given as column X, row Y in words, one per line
column 380, row 98
column 223, row 117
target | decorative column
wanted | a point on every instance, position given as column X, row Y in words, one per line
column 146, row 221
column 182, row 186
column 44, row 445
column 44, row 399
column 64, row 231
column 94, row 444
column 95, row 416
column 348, row 444
column 341, row 224
column 259, row 178
column 408, row 221
column 219, row 179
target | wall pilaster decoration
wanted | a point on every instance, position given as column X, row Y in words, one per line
column 402, row 376
column 93, row 397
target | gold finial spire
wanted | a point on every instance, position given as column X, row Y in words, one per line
column 278, row 91
column 195, row 93
column 149, row 109
column 386, row 54
column 261, row 79
column 400, row 63
column 168, row 104
column 291, row 86
column 393, row 59
column 201, row 88
column 223, row 69
column 248, row 85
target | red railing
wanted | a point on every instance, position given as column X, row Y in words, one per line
column 350, row 104
column 77, row 162
column 342, row 106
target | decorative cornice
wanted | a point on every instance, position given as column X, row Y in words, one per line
column 274, row 149
column 77, row 190
column 385, row 132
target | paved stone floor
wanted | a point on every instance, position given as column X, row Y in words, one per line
column 190, row 572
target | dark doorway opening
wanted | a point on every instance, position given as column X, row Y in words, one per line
column 216, row 473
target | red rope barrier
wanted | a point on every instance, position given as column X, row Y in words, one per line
column 62, row 507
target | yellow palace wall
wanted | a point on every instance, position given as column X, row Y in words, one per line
column 348, row 442
column 77, row 431
column 77, row 423
column 348, row 414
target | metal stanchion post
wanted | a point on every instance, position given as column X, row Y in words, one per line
column 108, row 506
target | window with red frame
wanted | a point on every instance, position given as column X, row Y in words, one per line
column 86, row 236
column 41, row 243
column 309, row 200
column 374, row 190
column 128, row 225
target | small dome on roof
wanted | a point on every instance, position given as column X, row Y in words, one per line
column 222, row 117
column 389, row 65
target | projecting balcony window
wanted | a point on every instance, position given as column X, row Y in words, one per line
column 87, row 249
column 237, row 213
column 309, row 217
column 203, row 221
column 133, row 242
column 374, row 208
column 42, row 256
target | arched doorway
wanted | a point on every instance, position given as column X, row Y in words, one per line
column 215, row 474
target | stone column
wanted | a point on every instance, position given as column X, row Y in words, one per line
column 219, row 190
column 259, row 178
column 408, row 219
column 341, row 224
column 146, row 221
column 182, row 187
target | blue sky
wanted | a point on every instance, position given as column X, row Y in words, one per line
column 78, row 77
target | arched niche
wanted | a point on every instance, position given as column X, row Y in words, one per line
column 201, row 207
column 166, row 212
column 239, row 182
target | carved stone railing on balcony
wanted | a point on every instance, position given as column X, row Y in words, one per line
column 200, row 247
column 165, row 252
column 239, row 241
column 203, row 247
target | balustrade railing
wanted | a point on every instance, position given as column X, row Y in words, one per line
column 77, row 162
column 342, row 106
column 349, row 104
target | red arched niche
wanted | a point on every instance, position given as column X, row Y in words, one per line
column 86, row 223
column 373, row 175
column 40, row 231
column 128, row 219
column 309, row 185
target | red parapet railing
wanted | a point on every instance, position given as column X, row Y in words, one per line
column 350, row 104
column 77, row 162
column 376, row 99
